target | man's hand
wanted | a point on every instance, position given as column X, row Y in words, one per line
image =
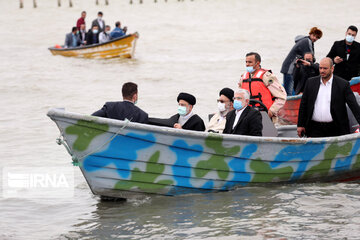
column 300, row 131
column 338, row 59
column 306, row 63
column 270, row 113
column 177, row 125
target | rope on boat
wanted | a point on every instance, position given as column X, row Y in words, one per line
column 75, row 159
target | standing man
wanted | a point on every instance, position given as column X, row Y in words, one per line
column 304, row 69
column 225, row 105
column 243, row 120
column 185, row 118
column 322, row 111
column 72, row 40
column 126, row 108
column 302, row 45
column 346, row 55
column 118, row 31
column 99, row 22
column 263, row 85
column 81, row 20
column 82, row 34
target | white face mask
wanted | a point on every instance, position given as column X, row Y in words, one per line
column 349, row 38
column 221, row 107
column 99, row 18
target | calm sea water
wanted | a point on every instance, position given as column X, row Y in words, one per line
column 198, row 47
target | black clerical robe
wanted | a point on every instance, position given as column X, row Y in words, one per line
column 193, row 123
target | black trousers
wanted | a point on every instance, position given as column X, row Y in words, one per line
column 321, row 129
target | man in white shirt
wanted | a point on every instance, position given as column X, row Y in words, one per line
column 105, row 35
column 322, row 111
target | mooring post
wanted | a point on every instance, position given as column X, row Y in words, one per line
column 131, row 2
column 70, row 3
column 21, row 4
column 34, row 3
column 59, row 3
column 97, row 2
column 106, row 2
column 141, row 1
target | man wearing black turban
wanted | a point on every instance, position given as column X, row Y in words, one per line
column 185, row 118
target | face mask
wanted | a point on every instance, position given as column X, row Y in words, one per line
column 95, row 31
column 107, row 32
column 237, row 104
column 99, row 18
column 182, row 110
column 250, row 69
column 77, row 32
column 349, row 38
column 221, row 107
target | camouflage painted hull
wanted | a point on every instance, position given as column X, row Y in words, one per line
column 123, row 47
column 122, row 159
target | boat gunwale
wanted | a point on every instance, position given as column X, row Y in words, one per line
column 56, row 112
column 93, row 45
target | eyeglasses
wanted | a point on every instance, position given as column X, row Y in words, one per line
column 237, row 98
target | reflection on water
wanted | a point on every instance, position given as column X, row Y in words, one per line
column 309, row 211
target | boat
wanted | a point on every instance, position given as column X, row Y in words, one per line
column 122, row 159
column 123, row 47
column 288, row 115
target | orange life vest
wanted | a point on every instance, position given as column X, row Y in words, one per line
column 257, row 88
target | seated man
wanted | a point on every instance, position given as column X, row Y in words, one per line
column 243, row 120
column 72, row 39
column 225, row 105
column 82, row 34
column 126, row 108
column 118, row 31
column 92, row 36
column 186, row 119
column 105, row 35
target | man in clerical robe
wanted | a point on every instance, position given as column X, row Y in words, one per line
column 185, row 118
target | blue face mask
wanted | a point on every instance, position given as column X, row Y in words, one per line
column 238, row 104
column 182, row 110
column 95, row 31
column 349, row 38
column 250, row 69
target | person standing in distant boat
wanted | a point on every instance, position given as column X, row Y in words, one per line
column 225, row 105
column 82, row 34
column 125, row 109
column 263, row 85
column 81, row 20
column 72, row 39
column 92, row 36
column 99, row 22
column 118, row 31
column 346, row 55
column 105, row 35
column 322, row 111
column 185, row 118
column 302, row 45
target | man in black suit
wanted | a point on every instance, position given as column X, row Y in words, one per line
column 346, row 55
column 322, row 110
column 99, row 22
column 243, row 120
column 126, row 108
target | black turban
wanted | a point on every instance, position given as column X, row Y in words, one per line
column 187, row 97
column 227, row 92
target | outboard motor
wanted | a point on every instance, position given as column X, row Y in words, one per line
column 269, row 129
column 354, row 125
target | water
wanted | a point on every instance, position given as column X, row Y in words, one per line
column 198, row 47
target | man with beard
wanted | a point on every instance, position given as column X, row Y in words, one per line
column 322, row 110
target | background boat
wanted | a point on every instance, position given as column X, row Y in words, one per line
column 123, row 47
column 124, row 160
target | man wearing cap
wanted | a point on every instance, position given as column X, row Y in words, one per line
column 225, row 105
column 243, row 120
column 185, row 118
